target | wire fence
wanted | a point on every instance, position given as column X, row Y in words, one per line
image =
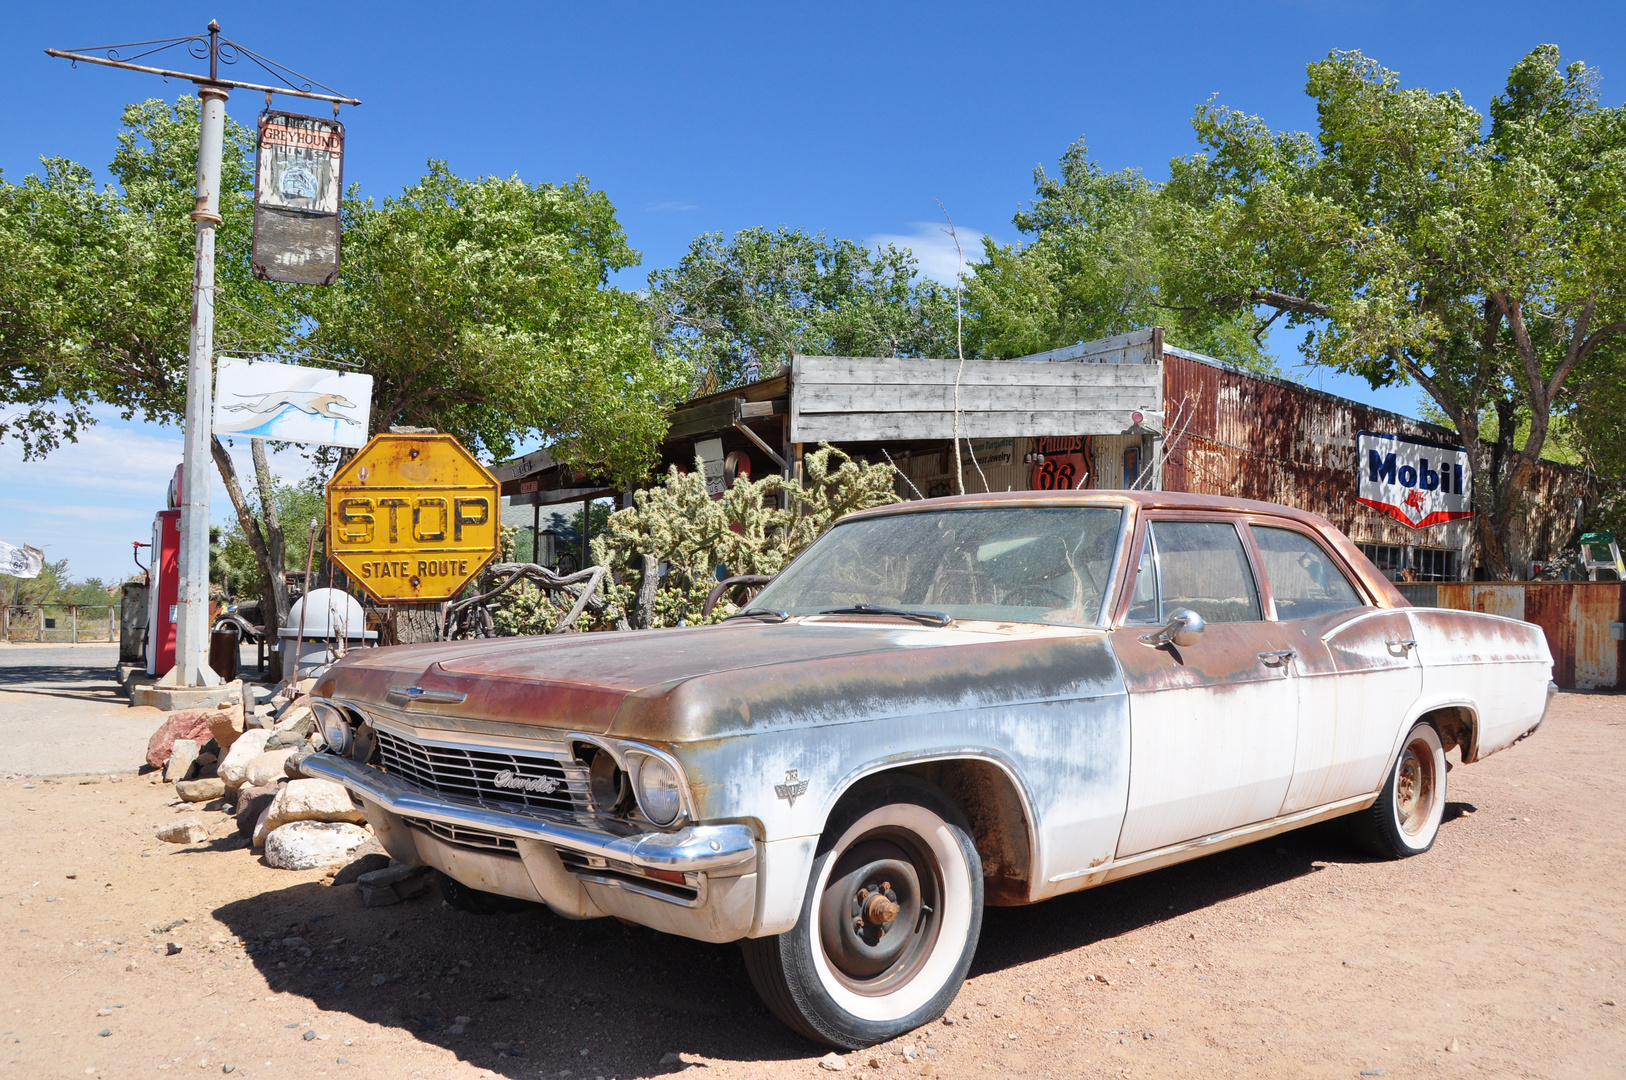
column 63, row 623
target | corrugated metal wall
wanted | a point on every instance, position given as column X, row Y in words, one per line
column 1263, row 438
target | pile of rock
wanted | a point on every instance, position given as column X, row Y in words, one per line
column 248, row 757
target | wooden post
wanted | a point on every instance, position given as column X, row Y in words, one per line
column 413, row 624
column 110, row 623
column 5, row 623
column 42, row 623
column 73, row 615
column 644, row 611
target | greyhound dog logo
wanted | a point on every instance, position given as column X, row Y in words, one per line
column 306, row 401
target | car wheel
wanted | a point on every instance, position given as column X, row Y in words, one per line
column 889, row 922
column 476, row 901
column 1406, row 818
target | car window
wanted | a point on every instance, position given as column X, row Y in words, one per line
column 1143, row 607
column 1202, row 565
column 1025, row 564
column 1304, row 581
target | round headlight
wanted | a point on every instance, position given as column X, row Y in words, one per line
column 658, row 792
column 607, row 783
column 336, row 730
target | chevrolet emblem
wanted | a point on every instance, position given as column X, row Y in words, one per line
column 792, row 789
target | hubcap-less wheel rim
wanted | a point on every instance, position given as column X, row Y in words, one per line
column 1415, row 788
column 879, row 914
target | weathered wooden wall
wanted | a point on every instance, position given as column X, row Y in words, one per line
column 865, row 399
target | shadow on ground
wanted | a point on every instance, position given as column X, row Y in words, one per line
column 538, row 990
column 80, row 682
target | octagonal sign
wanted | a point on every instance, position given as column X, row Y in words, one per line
column 412, row 518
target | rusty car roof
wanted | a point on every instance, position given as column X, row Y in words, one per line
column 1377, row 585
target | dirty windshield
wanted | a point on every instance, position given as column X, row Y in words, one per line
column 1048, row 565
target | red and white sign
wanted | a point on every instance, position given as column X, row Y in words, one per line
column 1416, row 482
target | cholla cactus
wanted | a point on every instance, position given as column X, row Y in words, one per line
column 746, row 531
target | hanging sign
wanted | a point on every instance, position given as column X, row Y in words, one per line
column 298, row 181
column 262, row 400
column 1416, row 482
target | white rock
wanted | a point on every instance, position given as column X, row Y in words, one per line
column 267, row 768
column 305, row 845
column 183, row 755
column 185, row 831
column 293, row 717
column 832, row 1061
column 313, row 800
column 249, row 745
column 257, row 837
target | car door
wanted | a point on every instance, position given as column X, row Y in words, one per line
column 1213, row 724
column 1354, row 665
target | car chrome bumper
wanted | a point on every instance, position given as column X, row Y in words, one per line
column 707, row 849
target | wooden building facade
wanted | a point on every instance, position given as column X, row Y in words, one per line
column 1124, row 412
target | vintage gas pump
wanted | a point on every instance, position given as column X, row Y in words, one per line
column 164, row 593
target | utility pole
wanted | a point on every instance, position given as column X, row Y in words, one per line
column 192, row 670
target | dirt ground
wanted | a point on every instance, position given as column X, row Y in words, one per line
column 1501, row 953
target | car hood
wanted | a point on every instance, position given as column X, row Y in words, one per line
column 692, row 683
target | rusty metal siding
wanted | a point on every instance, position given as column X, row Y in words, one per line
column 1263, row 438
column 1576, row 616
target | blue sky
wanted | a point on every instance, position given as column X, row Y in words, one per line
column 850, row 119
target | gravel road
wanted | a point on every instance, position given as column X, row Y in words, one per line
column 1500, row 953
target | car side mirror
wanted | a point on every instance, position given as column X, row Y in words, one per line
column 1184, row 628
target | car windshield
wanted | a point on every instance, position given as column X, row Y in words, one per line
column 1028, row 564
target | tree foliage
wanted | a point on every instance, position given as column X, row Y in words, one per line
column 482, row 309
column 96, row 282
column 1417, row 243
column 1094, row 267
column 735, row 310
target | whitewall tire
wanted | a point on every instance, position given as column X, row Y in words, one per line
column 1406, row 818
column 889, row 923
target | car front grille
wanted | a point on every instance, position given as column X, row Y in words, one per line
column 488, row 774
column 474, row 838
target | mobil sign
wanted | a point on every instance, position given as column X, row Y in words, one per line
column 1414, row 481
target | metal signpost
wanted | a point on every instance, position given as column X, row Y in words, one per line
column 412, row 518
column 192, row 668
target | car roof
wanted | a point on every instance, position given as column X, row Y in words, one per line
column 1377, row 585
column 1146, row 500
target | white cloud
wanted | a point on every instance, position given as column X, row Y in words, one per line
column 934, row 248
column 88, row 500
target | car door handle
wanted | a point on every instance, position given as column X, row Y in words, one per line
column 1278, row 657
column 1402, row 643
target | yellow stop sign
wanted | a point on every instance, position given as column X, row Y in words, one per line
column 412, row 518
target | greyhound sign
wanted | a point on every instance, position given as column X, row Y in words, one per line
column 262, row 400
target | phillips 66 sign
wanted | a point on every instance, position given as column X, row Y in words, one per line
column 1414, row 481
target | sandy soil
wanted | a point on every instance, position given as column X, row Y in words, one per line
column 1500, row 953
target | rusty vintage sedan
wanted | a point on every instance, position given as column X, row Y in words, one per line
column 938, row 705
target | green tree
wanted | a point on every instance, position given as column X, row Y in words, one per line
column 481, row 308
column 734, row 310
column 1417, row 243
column 237, row 565
column 1093, row 268
column 96, row 284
